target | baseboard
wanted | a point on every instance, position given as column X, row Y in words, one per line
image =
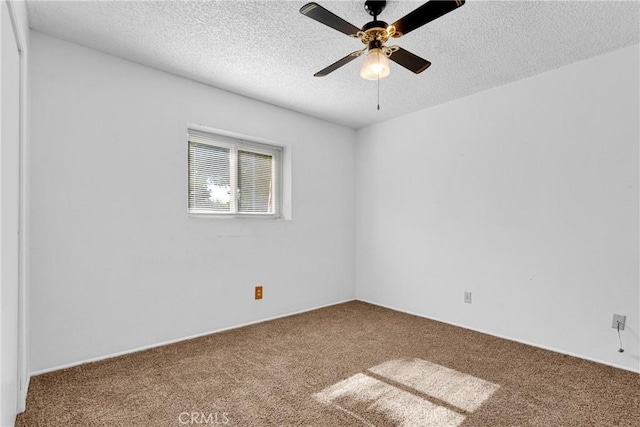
column 555, row 350
column 22, row 398
column 177, row 340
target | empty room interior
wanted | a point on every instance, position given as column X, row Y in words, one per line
column 337, row 213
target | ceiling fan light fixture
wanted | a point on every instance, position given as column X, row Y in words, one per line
column 375, row 65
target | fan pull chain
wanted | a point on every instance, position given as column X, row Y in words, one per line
column 378, row 92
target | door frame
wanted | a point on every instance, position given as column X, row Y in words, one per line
column 23, row 374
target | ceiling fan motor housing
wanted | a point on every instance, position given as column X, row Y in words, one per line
column 375, row 24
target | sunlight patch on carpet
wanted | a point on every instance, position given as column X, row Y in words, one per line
column 409, row 393
column 401, row 406
column 456, row 388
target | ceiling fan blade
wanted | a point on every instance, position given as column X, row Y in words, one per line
column 340, row 63
column 429, row 11
column 409, row 61
column 322, row 15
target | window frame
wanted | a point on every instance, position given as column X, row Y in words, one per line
column 235, row 144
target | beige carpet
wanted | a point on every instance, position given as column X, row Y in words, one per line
column 353, row 364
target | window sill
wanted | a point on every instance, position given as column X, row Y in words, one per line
column 269, row 217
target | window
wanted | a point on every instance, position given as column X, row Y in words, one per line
column 229, row 176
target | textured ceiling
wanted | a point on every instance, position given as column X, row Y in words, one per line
column 268, row 51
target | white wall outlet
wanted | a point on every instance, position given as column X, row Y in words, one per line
column 618, row 318
column 467, row 297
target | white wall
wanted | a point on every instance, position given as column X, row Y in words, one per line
column 116, row 261
column 526, row 195
column 13, row 27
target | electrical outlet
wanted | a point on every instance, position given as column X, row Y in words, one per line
column 618, row 318
column 467, row 297
column 258, row 292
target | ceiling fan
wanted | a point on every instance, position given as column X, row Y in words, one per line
column 375, row 34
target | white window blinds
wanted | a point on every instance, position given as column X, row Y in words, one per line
column 209, row 178
column 229, row 176
column 255, row 182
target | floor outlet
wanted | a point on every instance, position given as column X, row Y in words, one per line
column 618, row 318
